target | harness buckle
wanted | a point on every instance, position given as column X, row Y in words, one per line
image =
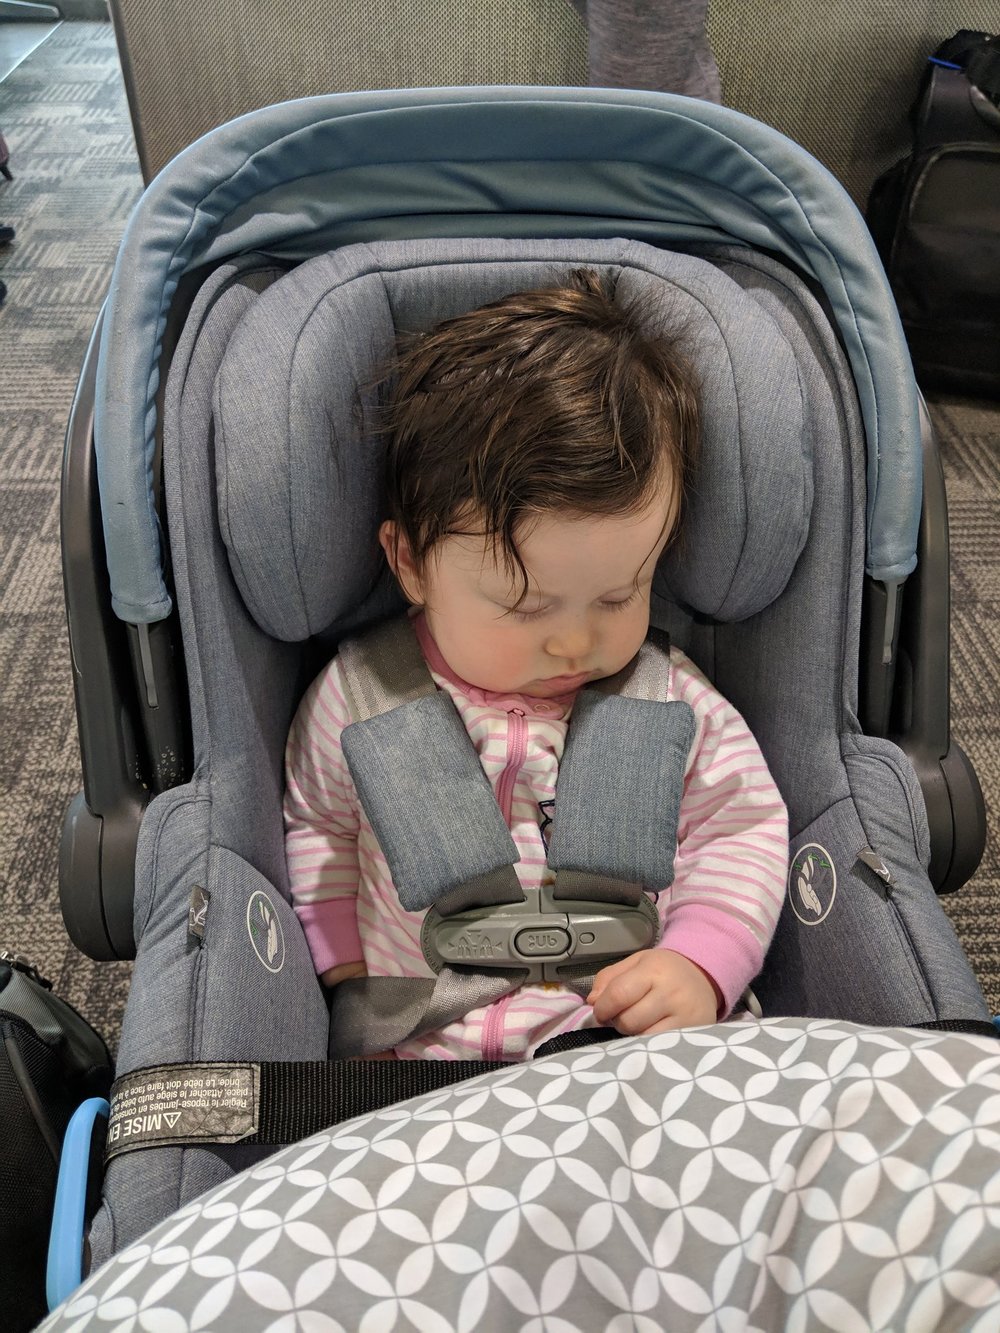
column 543, row 935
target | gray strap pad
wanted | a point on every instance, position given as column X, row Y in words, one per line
column 430, row 803
column 619, row 788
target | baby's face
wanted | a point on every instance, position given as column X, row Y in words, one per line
column 584, row 617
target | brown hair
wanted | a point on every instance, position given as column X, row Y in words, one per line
column 557, row 399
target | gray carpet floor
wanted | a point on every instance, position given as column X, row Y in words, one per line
column 76, row 178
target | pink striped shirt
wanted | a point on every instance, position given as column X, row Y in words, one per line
column 720, row 911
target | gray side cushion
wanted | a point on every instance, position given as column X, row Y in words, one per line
column 299, row 465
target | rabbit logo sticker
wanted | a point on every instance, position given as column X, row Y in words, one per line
column 812, row 884
column 265, row 931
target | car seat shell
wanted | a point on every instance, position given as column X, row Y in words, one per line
column 281, row 181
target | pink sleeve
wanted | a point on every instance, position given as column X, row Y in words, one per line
column 732, row 845
column 321, row 825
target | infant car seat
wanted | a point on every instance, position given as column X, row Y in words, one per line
column 269, row 268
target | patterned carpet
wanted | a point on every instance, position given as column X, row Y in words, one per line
column 969, row 435
column 76, row 178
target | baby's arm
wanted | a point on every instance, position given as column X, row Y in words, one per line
column 321, row 832
column 729, row 880
column 343, row 972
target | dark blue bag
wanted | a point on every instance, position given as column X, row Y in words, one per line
column 935, row 217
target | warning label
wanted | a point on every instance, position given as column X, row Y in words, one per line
column 175, row 1104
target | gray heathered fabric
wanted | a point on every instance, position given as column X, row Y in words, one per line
column 419, row 758
column 659, row 44
column 191, row 1001
column 619, row 788
column 790, row 668
column 299, row 474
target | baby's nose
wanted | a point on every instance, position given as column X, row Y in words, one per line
column 570, row 642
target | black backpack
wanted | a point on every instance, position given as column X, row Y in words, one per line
column 935, row 217
column 51, row 1060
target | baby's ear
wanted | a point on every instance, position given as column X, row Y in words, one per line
column 400, row 560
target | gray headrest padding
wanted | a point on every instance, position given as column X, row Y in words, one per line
column 299, row 474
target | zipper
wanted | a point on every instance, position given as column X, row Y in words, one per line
column 493, row 1034
column 517, row 751
column 21, row 964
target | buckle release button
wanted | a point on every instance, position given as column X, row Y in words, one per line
column 542, row 942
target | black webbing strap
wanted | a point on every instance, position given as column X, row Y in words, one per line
column 278, row 1102
column 299, row 1098
column 972, row 1027
column 268, row 1102
column 569, row 1041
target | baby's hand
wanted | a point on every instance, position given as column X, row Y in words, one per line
column 343, row 972
column 655, row 990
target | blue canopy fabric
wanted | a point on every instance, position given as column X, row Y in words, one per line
column 307, row 176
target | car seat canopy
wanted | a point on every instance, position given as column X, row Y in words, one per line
column 308, row 176
column 299, row 463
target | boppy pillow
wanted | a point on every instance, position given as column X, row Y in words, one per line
column 299, row 470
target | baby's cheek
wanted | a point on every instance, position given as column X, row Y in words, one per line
column 518, row 655
column 506, row 655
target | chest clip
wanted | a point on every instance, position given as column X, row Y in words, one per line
column 544, row 935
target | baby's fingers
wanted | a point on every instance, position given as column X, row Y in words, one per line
column 669, row 1024
column 620, row 993
column 608, row 974
column 644, row 1017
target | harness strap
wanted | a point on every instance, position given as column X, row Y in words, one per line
column 371, row 1014
column 647, row 676
column 616, row 745
column 388, row 672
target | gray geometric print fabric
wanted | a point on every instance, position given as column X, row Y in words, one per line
column 791, row 1174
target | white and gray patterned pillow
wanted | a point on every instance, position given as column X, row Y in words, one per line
column 793, row 1174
